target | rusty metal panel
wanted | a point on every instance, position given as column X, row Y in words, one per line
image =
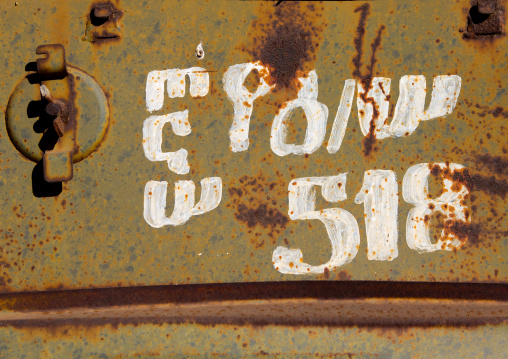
column 230, row 341
column 273, row 341
column 387, row 97
column 290, row 319
column 97, row 229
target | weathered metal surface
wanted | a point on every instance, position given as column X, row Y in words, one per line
column 93, row 232
column 291, row 319
column 289, row 303
column 250, row 341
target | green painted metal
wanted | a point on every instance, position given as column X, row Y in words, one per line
column 93, row 234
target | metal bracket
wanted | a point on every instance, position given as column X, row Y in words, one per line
column 485, row 18
column 52, row 70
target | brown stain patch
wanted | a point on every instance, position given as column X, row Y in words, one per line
column 463, row 231
column 365, row 78
column 487, row 184
column 480, row 231
column 334, row 275
column 326, row 273
column 261, row 215
column 495, row 164
column 472, row 235
column 286, row 40
column 255, row 201
column 484, row 110
column 474, row 182
column 344, row 275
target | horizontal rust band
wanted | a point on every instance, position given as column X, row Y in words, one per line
column 62, row 299
column 293, row 312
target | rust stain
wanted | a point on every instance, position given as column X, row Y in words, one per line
column 369, row 140
column 470, row 234
column 489, row 185
column 118, row 306
column 326, row 273
column 344, row 275
column 485, row 20
column 261, row 215
column 257, row 207
column 473, row 182
column 286, row 40
column 496, row 169
column 496, row 164
column 485, row 110
column 473, row 233
column 463, row 231
column 358, row 41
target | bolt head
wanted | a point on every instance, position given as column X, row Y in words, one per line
column 52, row 109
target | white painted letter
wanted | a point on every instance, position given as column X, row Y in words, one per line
column 152, row 140
column 243, row 100
column 155, row 201
column 380, row 198
column 340, row 224
column 415, row 191
column 199, row 84
column 445, row 92
column 379, row 92
column 315, row 112
column 409, row 110
column 340, row 123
